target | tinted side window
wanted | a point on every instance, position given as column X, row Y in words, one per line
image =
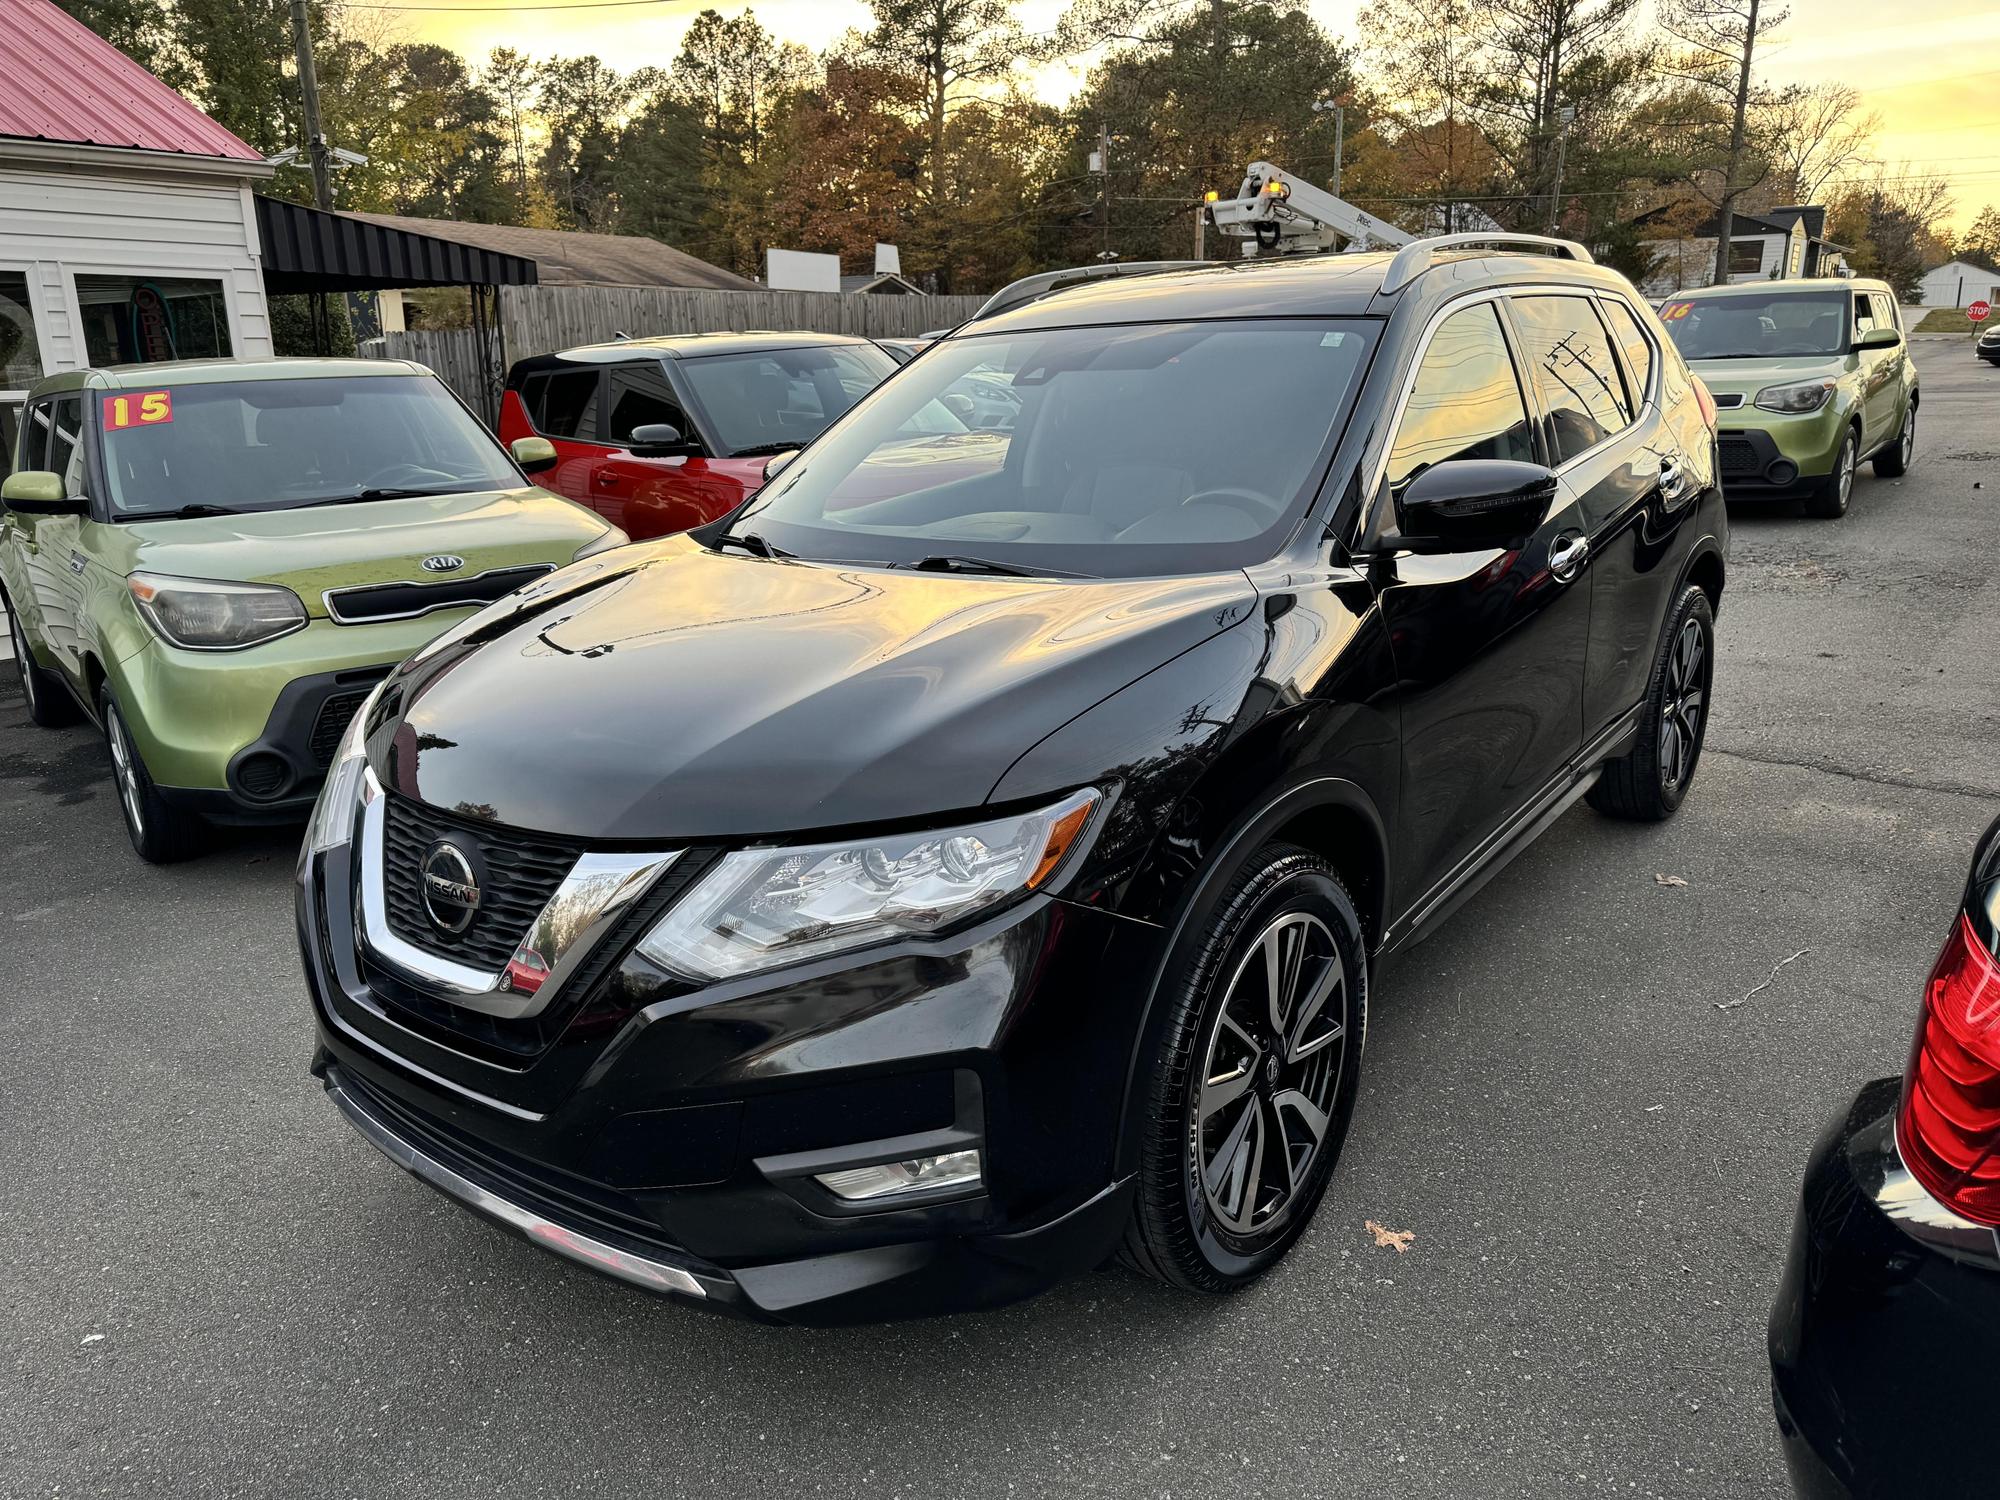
column 640, row 396
column 565, row 405
column 1864, row 314
column 35, row 435
column 1465, row 403
column 1566, row 347
column 1637, row 347
column 66, row 443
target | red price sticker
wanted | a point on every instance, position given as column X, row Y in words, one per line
column 1675, row 310
column 142, row 409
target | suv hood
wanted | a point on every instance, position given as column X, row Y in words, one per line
column 1750, row 376
column 316, row 548
column 680, row 693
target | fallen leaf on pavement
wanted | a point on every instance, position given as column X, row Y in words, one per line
column 1398, row 1239
column 1668, row 880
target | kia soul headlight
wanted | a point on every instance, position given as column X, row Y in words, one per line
column 1798, row 396
column 202, row 614
column 762, row 907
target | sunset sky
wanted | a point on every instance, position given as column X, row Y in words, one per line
column 1935, row 81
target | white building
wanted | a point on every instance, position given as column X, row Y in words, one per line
column 1958, row 283
column 128, row 230
column 1776, row 244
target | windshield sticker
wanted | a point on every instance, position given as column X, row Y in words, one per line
column 1675, row 310
column 147, row 409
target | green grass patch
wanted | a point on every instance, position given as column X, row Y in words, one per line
column 1945, row 320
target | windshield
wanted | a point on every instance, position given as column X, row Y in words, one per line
column 1778, row 326
column 781, row 398
column 1113, row 451
column 257, row 445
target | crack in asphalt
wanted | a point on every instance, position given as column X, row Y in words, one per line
column 1873, row 778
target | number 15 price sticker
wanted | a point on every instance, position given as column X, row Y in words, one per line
column 145, row 409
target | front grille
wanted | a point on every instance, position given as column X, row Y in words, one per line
column 1729, row 402
column 404, row 601
column 518, row 873
column 1739, row 456
column 334, row 715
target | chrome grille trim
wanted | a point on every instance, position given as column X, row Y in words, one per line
column 597, row 889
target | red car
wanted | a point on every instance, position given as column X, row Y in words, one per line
column 658, row 435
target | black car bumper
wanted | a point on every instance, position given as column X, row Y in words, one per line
column 671, row 1136
column 1885, row 1337
column 1754, row 468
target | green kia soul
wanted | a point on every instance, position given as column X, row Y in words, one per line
column 217, row 560
column 1811, row 378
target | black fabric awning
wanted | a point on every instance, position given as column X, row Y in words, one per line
column 310, row 250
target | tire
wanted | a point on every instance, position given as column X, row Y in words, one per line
column 1829, row 501
column 161, row 833
column 48, row 702
column 1647, row 783
column 1894, row 463
column 1199, row 1222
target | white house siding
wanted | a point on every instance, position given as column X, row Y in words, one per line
column 1685, row 263
column 57, row 223
column 1958, row 283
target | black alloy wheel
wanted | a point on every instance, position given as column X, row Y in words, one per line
column 1255, row 1077
column 1647, row 783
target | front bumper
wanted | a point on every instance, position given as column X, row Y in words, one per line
column 1766, row 456
column 244, row 736
column 1886, row 1329
column 669, row 1135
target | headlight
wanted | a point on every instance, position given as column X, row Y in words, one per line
column 199, row 614
column 332, row 822
column 763, row 907
column 1800, row 396
column 611, row 538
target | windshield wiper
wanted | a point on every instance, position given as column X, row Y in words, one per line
column 956, row 563
column 750, row 542
column 763, row 450
column 381, row 494
column 185, row 513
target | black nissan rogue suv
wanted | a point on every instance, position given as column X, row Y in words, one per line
column 973, row 856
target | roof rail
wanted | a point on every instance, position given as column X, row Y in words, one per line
column 1415, row 258
column 1034, row 288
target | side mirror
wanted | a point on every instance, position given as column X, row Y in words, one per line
column 533, row 454
column 662, row 440
column 959, row 405
column 1465, row 504
column 41, row 492
column 778, row 461
column 1879, row 338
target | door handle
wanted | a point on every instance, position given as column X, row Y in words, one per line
column 607, row 481
column 1673, row 482
column 1566, row 555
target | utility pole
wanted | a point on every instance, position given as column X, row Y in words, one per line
column 316, row 148
column 1567, row 114
column 1100, row 163
column 1339, row 108
column 1725, row 218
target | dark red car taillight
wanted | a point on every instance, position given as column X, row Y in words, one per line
column 1949, row 1128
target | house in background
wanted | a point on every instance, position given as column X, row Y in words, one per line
column 563, row 257
column 1778, row 243
column 881, row 284
column 1958, row 283
column 127, row 225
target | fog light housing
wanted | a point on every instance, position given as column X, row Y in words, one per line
column 890, row 1179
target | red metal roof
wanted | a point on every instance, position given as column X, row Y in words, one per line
column 64, row 82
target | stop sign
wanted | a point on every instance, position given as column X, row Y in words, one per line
column 1978, row 311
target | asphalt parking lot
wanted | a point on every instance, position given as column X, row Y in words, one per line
column 214, row 1288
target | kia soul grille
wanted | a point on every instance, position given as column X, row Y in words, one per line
column 517, row 874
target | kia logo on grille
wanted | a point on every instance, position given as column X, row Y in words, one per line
column 450, row 890
column 442, row 562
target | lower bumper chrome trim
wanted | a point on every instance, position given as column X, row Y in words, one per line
column 596, row 1254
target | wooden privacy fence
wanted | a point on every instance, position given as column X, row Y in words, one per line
column 542, row 319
